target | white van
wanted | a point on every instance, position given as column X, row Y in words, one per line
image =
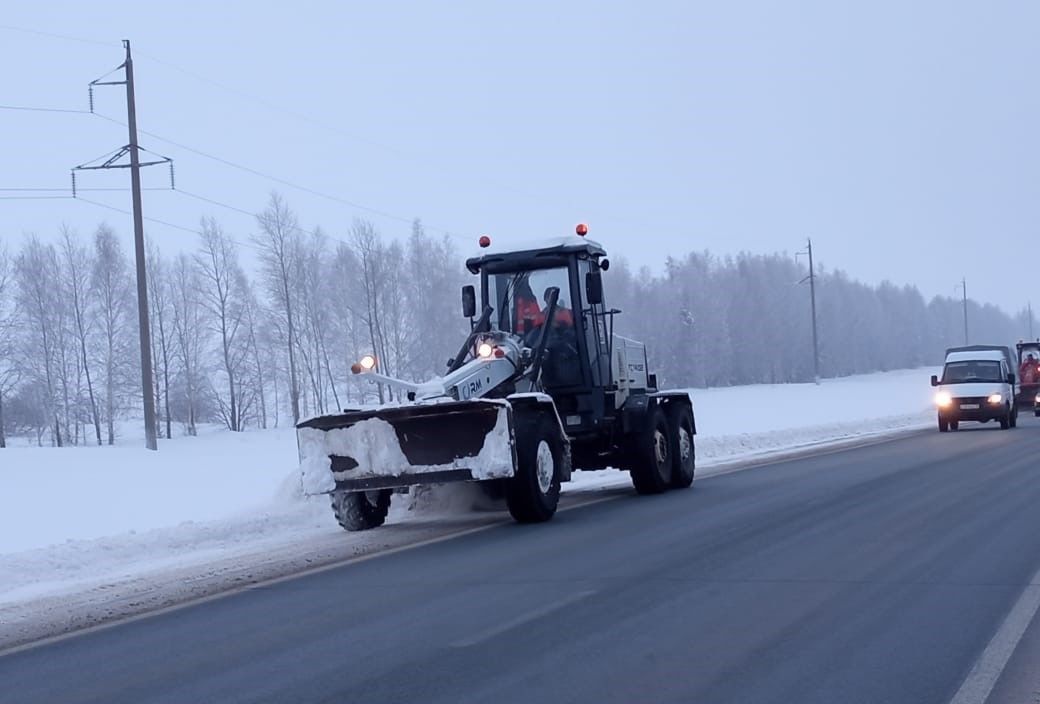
column 975, row 385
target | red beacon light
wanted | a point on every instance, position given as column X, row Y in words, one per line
column 484, row 241
column 582, row 229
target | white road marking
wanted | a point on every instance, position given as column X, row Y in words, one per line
column 979, row 683
column 521, row 620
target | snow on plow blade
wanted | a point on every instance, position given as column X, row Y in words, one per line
column 404, row 445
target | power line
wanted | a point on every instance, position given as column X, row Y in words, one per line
column 213, row 157
column 69, row 190
column 277, row 179
column 174, row 226
column 34, row 108
column 127, row 212
column 54, row 35
column 304, row 117
column 243, row 211
column 204, row 199
column 35, row 197
column 270, row 105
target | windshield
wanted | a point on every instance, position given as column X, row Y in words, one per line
column 971, row 371
column 519, row 298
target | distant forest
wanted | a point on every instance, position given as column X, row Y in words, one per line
column 746, row 319
column 255, row 346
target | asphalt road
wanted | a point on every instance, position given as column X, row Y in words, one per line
column 876, row 574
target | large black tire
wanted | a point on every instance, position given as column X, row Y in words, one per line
column 1014, row 417
column 1005, row 421
column 361, row 510
column 944, row 425
column 651, row 467
column 534, row 491
column 684, row 461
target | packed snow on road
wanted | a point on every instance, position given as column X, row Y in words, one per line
column 97, row 521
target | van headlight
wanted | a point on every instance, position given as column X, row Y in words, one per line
column 943, row 399
column 995, row 399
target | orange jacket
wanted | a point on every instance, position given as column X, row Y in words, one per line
column 527, row 309
column 563, row 316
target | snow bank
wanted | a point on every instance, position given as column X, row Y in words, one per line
column 49, row 495
column 78, row 520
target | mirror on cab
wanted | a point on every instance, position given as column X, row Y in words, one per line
column 935, row 380
column 594, row 287
column 469, row 301
column 1011, row 378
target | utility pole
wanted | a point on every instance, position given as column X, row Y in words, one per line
column 812, row 302
column 964, row 299
column 811, row 278
column 142, row 284
column 132, row 150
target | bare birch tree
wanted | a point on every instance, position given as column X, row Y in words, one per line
column 280, row 260
column 316, row 329
column 114, row 294
column 161, row 304
column 347, row 320
column 9, row 373
column 257, row 359
column 35, row 269
column 224, row 294
column 432, row 278
column 188, row 322
column 77, row 287
column 368, row 248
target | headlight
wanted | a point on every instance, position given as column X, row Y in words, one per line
column 1037, row 399
column 943, row 399
column 367, row 364
column 995, row 399
column 485, row 349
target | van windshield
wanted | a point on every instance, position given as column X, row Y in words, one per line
column 971, row 371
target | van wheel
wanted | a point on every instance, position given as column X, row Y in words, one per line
column 1005, row 421
column 1014, row 418
column 944, row 425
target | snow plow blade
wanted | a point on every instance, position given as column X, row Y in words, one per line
column 362, row 450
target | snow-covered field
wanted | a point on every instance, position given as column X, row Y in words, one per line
column 110, row 530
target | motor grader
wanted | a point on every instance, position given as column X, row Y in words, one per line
column 540, row 387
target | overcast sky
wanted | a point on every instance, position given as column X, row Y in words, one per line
column 901, row 136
